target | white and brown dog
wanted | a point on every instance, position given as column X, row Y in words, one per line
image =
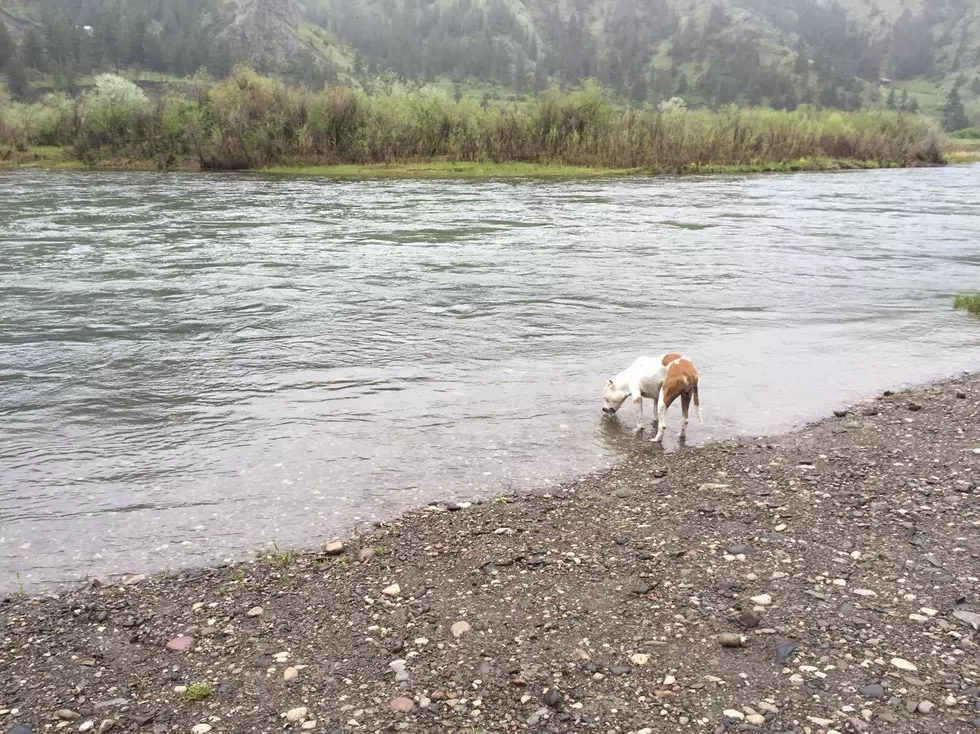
column 663, row 379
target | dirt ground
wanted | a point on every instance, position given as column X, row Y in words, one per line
column 827, row 580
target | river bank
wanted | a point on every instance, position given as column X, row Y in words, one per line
column 54, row 158
column 819, row 581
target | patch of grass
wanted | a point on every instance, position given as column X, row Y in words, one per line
column 276, row 557
column 237, row 575
column 967, row 302
column 963, row 157
column 449, row 169
column 197, row 692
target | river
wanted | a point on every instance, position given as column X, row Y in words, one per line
column 194, row 366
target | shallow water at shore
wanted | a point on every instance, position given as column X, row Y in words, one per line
column 195, row 365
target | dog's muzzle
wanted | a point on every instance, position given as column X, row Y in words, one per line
column 608, row 411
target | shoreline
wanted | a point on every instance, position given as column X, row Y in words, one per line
column 58, row 159
column 765, row 583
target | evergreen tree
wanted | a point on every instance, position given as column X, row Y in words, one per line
column 681, row 85
column 32, row 50
column 17, row 77
column 954, row 114
column 890, row 104
column 639, row 91
column 802, row 63
column 7, row 47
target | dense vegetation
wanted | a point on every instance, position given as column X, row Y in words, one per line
column 252, row 121
column 778, row 53
column 967, row 302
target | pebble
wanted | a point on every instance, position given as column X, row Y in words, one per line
column 865, row 592
column 820, row 722
column 950, row 701
column 393, row 590
column 180, row 644
column 639, row 658
column 289, row 673
column 756, row 719
column 619, row 670
column 460, row 628
column 733, row 714
column 402, row 705
column 729, row 639
column 740, row 550
column 873, row 691
column 552, row 697
column 970, row 618
column 784, row 651
column 297, row 714
column 925, row 707
column 308, row 724
column 365, row 554
column 201, row 729
column 334, row 549
column 255, row 612
column 763, row 600
column 87, row 726
column 669, row 680
column 106, row 725
column 903, row 664
column 20, row 729
column 749, row 618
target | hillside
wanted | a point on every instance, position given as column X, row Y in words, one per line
column 844, row 54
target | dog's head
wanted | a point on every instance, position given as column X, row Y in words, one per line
column 612, row 398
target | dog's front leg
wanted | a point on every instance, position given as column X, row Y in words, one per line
column 638, row 402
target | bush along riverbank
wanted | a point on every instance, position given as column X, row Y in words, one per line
column 820, row 581
column 253, row 122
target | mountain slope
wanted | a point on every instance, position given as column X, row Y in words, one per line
column 713, row 52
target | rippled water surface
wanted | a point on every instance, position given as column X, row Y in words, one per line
column 193, row 366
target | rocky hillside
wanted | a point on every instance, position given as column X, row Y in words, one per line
column 713, row 52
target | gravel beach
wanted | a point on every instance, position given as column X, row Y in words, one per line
column 826, row 580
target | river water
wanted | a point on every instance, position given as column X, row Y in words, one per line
column 193, row 366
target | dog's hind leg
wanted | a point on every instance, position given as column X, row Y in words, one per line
column 685, row 409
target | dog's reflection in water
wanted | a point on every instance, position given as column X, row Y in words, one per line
column 625, row 440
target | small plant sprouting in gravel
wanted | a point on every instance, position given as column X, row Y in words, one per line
column 197, row 692
column 237, row 575
column 276, row 557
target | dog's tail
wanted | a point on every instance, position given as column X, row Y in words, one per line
column 697, row 404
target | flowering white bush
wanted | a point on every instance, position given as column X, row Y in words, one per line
column 114, row 106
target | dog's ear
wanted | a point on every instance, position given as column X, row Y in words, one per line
column 609, row 381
